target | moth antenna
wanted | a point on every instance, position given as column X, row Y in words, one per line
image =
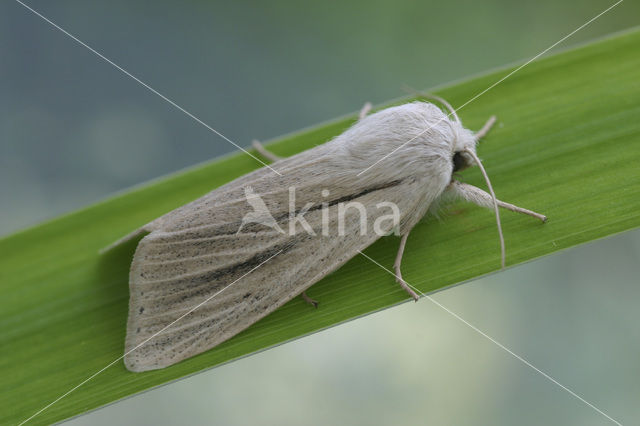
column 446, row 104
column 495, row 203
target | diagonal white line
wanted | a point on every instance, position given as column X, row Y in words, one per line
column 539, row 54
column 496, row 83
column 500, row 345
column 145, row 341
column 145, row 85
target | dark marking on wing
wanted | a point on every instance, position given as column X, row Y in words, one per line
column 349, row 197
column 232, row 228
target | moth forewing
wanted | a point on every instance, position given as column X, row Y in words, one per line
column 173, row 271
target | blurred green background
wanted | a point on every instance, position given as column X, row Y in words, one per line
column 75, row 130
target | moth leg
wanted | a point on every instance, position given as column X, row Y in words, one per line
column 483, row 199
column 366, row 109
column 485, row 129
column 263, row 151
column 309, row 300
column 398, row 272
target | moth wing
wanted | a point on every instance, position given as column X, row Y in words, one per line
column 258, row 175
column 195, row 281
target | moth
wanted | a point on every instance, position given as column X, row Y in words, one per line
column 250, row 246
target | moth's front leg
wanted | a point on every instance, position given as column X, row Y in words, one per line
column 481, row 198
column 398, row 272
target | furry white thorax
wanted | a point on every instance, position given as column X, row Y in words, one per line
column 415, row 141
column 423, row 140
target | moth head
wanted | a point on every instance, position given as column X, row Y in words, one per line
column 463, row 140
column 463, row 144
column 463, row 155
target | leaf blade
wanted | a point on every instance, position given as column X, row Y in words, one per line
column 568, row 146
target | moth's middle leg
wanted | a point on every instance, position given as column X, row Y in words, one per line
column 398, row 272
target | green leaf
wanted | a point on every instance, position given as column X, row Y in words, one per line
column 567, row 144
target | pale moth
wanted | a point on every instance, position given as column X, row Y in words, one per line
column 248, row 268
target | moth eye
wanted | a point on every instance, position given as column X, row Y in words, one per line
column 458, row 162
